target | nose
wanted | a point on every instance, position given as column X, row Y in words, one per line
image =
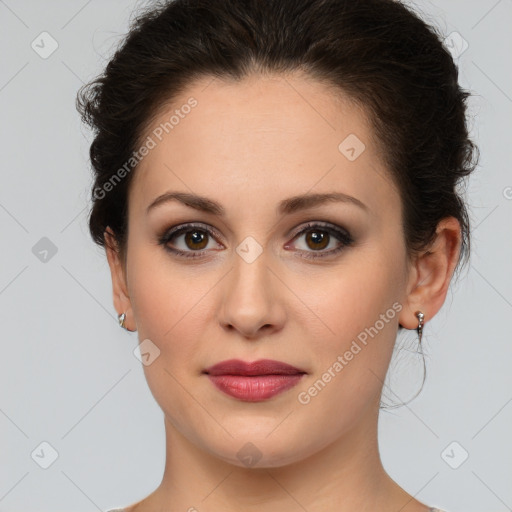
column 252, row 302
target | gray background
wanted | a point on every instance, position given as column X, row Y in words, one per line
column 68, row 373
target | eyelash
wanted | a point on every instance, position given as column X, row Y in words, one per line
column 340, row 234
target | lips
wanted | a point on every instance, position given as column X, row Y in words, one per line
column 260, row 367
column 255, row 381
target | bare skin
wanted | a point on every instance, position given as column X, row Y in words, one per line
column 248, row 146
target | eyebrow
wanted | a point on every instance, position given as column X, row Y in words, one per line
column 286, row 206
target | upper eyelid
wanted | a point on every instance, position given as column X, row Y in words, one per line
column 183, row 228
column 328, row 226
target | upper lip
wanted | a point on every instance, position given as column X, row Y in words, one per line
column 260, row 367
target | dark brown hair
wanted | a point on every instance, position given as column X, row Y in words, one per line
column 378, row 52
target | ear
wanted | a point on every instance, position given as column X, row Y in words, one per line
column 431, row 273
column 118, row 273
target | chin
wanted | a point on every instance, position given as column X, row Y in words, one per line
column 260, row 451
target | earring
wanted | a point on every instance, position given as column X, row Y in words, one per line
column 121, row 318
column 420, row 317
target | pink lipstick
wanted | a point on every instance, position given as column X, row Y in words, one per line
column 256, row 381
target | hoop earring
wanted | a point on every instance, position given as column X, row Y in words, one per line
column 420, row 317
column 121, row 318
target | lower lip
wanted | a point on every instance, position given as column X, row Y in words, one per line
column 254, row 388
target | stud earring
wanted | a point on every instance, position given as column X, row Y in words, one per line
column 121, row 318
column 420, row 317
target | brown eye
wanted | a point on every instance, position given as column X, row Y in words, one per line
column 314, row 238
column 196, row 239
column 317, row 239
column 190, row 240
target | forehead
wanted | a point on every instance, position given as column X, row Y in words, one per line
column 267, row 135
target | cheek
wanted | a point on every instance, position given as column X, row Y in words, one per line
column 171, row 307
column 353, row 297
column 168, row 310
column 360, row 305
column 159, row 295
column 350, row 368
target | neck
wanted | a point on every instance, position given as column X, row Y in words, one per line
column 344, row 475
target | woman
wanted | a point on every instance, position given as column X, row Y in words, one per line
column 276, row 191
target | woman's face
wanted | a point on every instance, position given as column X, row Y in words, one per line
column 266, row 269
